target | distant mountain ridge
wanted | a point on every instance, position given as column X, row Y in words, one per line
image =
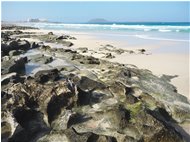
column 98, row 20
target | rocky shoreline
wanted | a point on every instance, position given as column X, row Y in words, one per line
column 61, row 94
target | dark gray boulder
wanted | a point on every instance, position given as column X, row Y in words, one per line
column 23, row 45
column 11, row 77
column 15, row 52
column 17, row 32
column 13, row 65
column 15, row 45
column 83, row 49
column 109, row 56
column 50, row 33
column 142, row 51
column 85, row 59
column 65, row 37
column 34, row 45
column 44, row 76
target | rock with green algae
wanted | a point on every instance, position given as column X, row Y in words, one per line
column 126, row 118
column 95, row 101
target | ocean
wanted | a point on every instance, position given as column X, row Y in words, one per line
column 177, row 31
column 174, row 35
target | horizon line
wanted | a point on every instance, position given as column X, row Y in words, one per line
column 100, row 22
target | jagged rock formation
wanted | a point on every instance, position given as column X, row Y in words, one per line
column 86, row 99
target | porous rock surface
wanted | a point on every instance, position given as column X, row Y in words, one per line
column 90, row 100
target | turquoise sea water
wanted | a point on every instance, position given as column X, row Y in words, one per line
column 148, row 26
column 177, row 31
column 176, row 34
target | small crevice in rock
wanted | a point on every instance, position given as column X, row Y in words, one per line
column 99, row 138
column 77, row 118
column 57, row 103
column 31, row 125
column 129, row 95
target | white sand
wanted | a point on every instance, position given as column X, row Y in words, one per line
column 159, row 63
column 169, row 64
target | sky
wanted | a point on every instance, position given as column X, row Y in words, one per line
column 78, row 12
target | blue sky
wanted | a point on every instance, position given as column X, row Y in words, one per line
column 83, row 11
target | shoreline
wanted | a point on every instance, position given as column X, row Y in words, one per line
column 58, row 79
column 158, row 63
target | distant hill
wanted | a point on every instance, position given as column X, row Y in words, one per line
column 36, row 20
column 97, row 20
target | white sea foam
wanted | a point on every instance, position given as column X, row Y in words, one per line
column 158, row 38
column 153, row 32
column 164, row 30
column 161, row 28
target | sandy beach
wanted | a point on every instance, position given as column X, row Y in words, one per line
column 61, row 74
column 81, row 71
column 158, row 63
column 166, row 61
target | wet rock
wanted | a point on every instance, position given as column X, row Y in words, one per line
column 34, row 45
column 50, row 33
column 54, row 137
column 110, row 119
column 111, row 48
column 99, row 138
column 40, row 44
column 168, row 77
column 8, row 126
column 85, row 59
column 54, row 39
column 15, row 52
column 109, row 55
column 40, row 58
column 11, row 77
column 131, row 52
column 142, row 51
column 86, row 83
column 165, row 135
column 49, row 100
column 92, row 60
column 23, row 45
column 5, row 58
column 17, row 32
column 83, row 49
column 119, row 51
column 91, row 100
column 77, row 56
column 67, row 43
column 15, row 45
column 56, row 112
column 31, row 125
column 130, row 98
column 65, row 37
column 5, row 48
column 61, row 37
column 5, row 36
column 180, row 112
column 44, row 76
column 13, row 65
column 109, row 45
column 73, row 136
column 14, row 27
column 70, row 51
column 45, row 47
column 105, row 122
column 5, row 131
column 61, row 122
